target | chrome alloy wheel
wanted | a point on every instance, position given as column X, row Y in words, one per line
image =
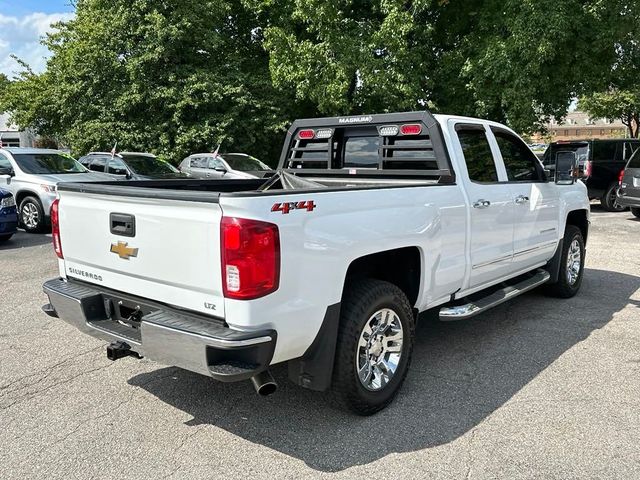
column 574, row 262
column 30, row 216
column 379, row 349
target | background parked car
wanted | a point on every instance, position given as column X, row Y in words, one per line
column 32, row 176
column 8, row 215
column 131, row 165
column 601, row 164
column 228, row 165
column 629, row 193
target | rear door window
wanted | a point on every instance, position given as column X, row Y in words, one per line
column 116, row 167
column 98, row 164
column 215, row 162
column 4, row 162
column 635, row 160
column 477, row 155
column 629, row 149
column 199, row 162
column 604, row 151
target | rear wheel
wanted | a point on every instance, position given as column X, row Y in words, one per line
column 610, row 199
column 31, row 215
column 635, row 211
column 375, row 343
column 571, row 264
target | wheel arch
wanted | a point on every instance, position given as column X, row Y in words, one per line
column 22, row 194
column 400, row 266
column 580, row 219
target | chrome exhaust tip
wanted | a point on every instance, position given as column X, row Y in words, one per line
column 264, row 383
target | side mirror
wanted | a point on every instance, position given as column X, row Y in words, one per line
column 566, row 168
column 221, row 170
column 7, row 171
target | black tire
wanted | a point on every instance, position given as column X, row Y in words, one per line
column 5, row 238
column 360, row 302
column 609, row 199
column 35, row 223
column 564, row 287
column 635, row 211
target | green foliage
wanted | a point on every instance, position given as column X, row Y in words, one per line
column 511, row 60
column 621, row 98
column 170, row 77
column 615, row 105
column 176, row 77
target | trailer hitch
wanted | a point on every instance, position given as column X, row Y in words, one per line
column 117, row 350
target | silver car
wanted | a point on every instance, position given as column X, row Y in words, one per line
column 228, row 165
column 32, row 175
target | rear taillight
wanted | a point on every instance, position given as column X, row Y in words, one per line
column 250, row 252
column 620, row 177
column 55, row 228
column 587, row 168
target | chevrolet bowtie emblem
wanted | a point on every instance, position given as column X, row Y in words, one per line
column 123, row 250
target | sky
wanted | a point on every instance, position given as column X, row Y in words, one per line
column 22, row 24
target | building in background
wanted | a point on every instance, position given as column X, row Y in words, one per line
column 10, row 136
column 579, row 126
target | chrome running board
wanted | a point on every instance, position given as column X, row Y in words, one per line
column 462, row 312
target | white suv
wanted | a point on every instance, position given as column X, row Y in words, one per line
column 32, row 176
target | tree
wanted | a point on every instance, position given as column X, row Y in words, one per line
column 169, row 77
column 615, row 105
column 4, row 83
column 512, row 60
column 621, row 98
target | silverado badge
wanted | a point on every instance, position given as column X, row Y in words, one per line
column 123, row 250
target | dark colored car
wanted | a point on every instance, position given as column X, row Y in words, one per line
column 8, row 216
column 629, row 193
column 601, row 165
column 131, row 166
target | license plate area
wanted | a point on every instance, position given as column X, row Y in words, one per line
column 123, row 316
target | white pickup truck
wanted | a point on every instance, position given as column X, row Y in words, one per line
column 368, row 221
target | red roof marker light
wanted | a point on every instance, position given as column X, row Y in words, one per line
column 411, row 129
column 306, row 134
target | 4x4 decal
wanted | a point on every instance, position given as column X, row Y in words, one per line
column 308, row 205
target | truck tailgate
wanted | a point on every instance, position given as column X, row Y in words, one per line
column 171, row 256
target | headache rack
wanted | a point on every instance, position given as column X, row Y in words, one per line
column 405, row 145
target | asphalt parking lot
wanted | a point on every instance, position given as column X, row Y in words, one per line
column 538, row 388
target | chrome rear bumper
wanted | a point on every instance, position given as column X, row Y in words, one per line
column 194, row 342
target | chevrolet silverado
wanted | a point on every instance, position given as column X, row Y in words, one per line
column 369, row 221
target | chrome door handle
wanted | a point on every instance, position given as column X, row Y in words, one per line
column 482, row 204
column 520, row 199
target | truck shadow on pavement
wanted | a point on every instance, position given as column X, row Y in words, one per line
column 461, row 372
